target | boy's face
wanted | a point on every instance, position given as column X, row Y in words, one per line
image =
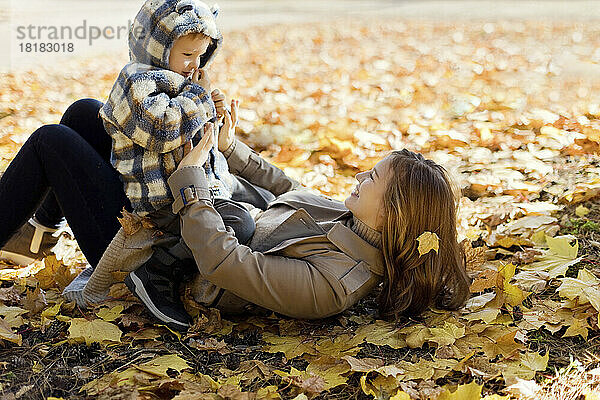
column 186, row 52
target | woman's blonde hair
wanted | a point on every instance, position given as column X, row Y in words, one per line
column 420, row 198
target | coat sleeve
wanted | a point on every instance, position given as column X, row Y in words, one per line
column 245, row 162
column 165, row 113
column 292, row 287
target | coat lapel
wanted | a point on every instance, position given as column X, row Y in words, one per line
column 353, row 245
column 321, row 208
column 300, row 228
column 297, row 226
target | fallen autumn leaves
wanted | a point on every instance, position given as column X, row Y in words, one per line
column 512, row 108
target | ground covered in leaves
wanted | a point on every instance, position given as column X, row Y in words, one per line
column 512, row 108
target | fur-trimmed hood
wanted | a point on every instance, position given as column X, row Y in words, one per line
column 160, row 22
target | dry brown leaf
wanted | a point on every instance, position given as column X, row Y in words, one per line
column 35, row 301
column 210, row 344
column 10, row 295
column 231, row 392
column 363, row 364
column 486, row 280
column 130, row 222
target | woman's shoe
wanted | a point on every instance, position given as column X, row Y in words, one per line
column 32, row 242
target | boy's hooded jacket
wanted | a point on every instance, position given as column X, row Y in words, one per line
column 152, row 112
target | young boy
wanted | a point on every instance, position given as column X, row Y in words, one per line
column 157, row 110
column 161, row 101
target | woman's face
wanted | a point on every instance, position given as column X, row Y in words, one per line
column 366, row 201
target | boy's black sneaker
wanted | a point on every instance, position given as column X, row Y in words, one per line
column 156, row 284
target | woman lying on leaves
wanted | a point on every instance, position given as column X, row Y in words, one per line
column 310, row 256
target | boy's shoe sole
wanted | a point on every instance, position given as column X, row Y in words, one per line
column 136, row 286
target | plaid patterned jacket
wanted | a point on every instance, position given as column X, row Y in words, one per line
column 152, row 112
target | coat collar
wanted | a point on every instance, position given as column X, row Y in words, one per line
column 300, row 226
column 357, row 248
column 347, row 214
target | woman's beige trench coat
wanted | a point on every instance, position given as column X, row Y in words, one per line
column 298, row 269
column 293, row 265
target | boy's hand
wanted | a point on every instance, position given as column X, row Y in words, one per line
column 199, row 154
column 201, row 78
column 227, row 132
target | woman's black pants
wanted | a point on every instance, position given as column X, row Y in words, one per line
column 63, row 171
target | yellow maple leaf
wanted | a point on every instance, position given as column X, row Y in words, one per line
column 582, row 211
column 159, row 365
column 12, row 315
column 55, row 274
column 442, row 367
column 291, row 346
column 470, row 391
column 585, row 287
column 110, row 314
column 6, row 333
column 380, row 333
column 401, row 396
column 50, row 312
column 577, row 327
column 446, row 335
column 509, row 241
column 428, row 241
column 514, row 295
column 504, row 345
column 96, row 330
column 380, row 387
column 338, row 346
column 535, row 361
column 269, row 393
column 422, row 369
column 416, row 335
column 525, row 368
column 507, row 272
column 559, row 257
column 561, row 245
column 332, row 374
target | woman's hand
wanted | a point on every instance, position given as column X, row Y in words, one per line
column 199, row 154
column 227, row 132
